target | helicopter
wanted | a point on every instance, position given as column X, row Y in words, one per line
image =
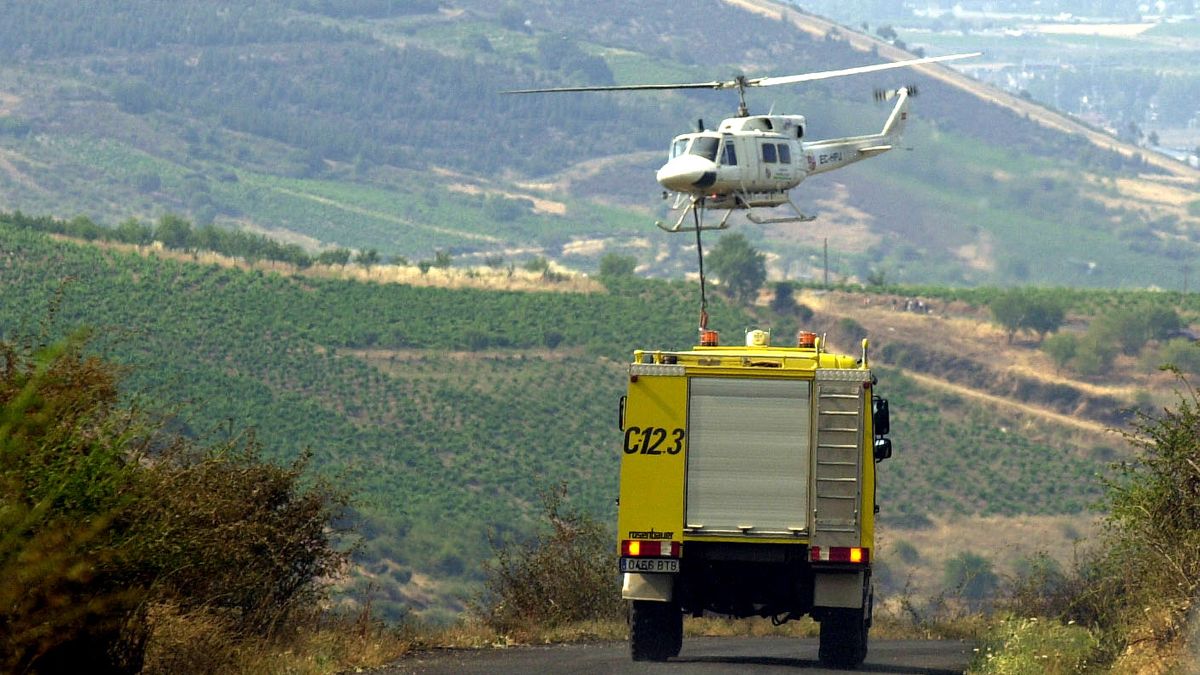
column 751, row 162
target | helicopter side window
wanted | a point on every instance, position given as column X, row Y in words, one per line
column 768, row 152
column 785, row 154
column 728, row 153
column 706, row 147
column 679, row 147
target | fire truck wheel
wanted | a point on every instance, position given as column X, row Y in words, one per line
column 676, row 623
column 655, row 630
column 843, row 638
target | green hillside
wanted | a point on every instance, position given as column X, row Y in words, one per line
column 446, row 411
column 378, row 125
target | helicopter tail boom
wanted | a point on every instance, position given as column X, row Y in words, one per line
column 835, row 153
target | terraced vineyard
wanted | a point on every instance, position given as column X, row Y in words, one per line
column 446, row 411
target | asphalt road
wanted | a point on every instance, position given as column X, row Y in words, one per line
column 699, row 655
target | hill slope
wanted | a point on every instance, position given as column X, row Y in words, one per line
column 371, row 125
column 447, row 410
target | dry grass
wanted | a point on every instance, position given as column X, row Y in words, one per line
column 540, row 205
column 848, row 229
column 560, row 279
column 968, row 332
column 1006, row 541
column 198, row 642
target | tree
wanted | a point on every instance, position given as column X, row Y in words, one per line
column 1044, row 314
column 1021, row 309
column 367, row 258
column 173, row 231
column 740, row 268
column 1008, row 310
column 536, row 264
column 1132, row 328
column 784, row 301
column 971, row 576
column 614, row 265
column 1061, row 349
column 335, row 256
column 133, row 232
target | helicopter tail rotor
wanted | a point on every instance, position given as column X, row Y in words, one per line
column 882, row 95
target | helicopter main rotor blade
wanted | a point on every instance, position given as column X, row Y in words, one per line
column 742, row 82
column 809, row 77
column 625, row 87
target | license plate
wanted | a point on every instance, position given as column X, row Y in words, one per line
column 661, row 565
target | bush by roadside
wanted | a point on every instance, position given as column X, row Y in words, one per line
column 566, row 573
column 1129, row 599
column 112, row 531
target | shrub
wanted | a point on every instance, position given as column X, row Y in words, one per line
column 1034, row 645
column 566, row 572
column 970, row 576
column 614, row 265
column 1061, row 348
column 104, row 520
column 1152, row 555
column 1040, row 588
column 1181, row 353
column 784, row 299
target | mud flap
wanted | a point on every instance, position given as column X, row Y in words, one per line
column 838, row 589
column 655, row 587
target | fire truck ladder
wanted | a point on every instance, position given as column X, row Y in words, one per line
column 836, row 475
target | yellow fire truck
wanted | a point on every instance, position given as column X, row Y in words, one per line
column 748, row 489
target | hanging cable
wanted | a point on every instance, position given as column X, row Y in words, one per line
column 700, row 253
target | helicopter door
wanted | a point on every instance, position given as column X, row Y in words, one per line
column 728, row 171
column 775, row 163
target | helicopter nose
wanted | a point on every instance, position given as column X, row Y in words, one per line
column 687, row 173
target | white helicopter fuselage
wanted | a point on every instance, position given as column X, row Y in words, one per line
column 753, row 161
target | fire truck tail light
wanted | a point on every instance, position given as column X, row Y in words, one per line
column 840, row 554
column 635, row 548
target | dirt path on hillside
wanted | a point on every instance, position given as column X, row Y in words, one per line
column 819, row 27
column 20, row 177
column 983, row 397
column 584, row 170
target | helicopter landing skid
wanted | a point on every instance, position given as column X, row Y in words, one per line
column 696, row 208
column 798, row 218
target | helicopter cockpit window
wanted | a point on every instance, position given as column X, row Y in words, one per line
column 706, row 147
column 768, row 152
column 785, row 154
column 728, row 153
column 679, row 147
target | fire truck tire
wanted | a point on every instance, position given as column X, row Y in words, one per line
column 843, row 638
column 655, row 630
column 676, row 622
